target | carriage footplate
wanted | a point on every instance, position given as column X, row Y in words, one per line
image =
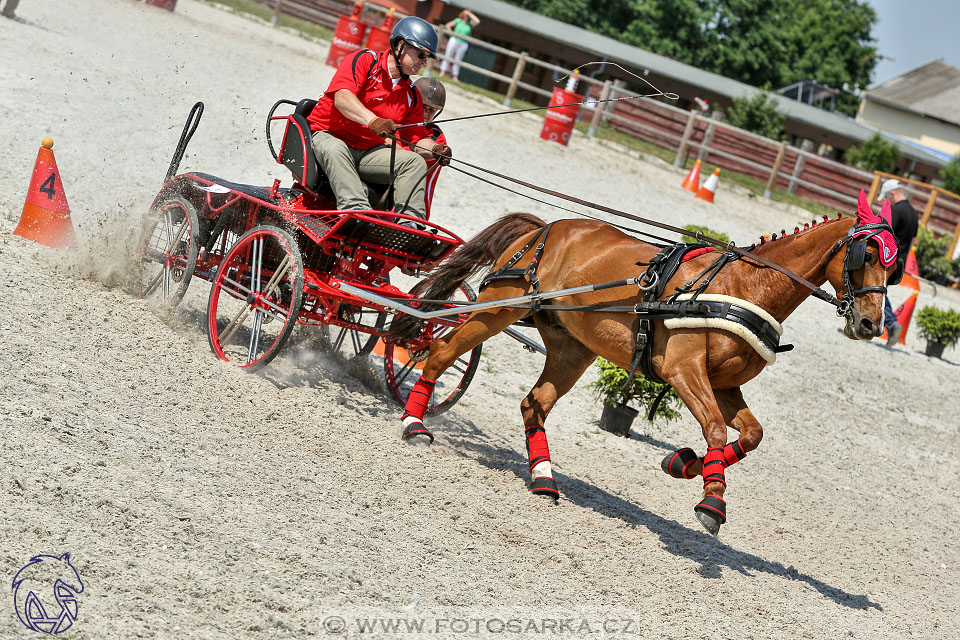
column 711, row 512
column 545, row 486
column 414, row 432
column 678, row 463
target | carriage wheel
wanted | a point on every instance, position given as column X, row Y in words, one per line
column 167, row 251
column 256, row 298
column 402, row 368
column 350, row 343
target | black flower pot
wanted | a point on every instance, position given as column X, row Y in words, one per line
column 935, row 349
column 617, row 420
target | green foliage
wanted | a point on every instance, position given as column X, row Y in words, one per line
column 609, row 388
column 760, row 42
column 876, row 154
column 937, row 325
column 705, row 231
column 931, row 255
column 951, row 175
column 757, row 113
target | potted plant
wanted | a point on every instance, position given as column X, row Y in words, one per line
column 615, row 391
column 931, row 256
column 940, row 329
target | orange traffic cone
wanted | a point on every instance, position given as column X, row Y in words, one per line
column 692, row 182
column 911, row 267
column 709, row 187
column 904, row 314
column 46, row 214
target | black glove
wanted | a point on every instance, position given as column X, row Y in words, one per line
column 382, row 126
column 444, row 152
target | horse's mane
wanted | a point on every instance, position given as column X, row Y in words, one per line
column 807, row 226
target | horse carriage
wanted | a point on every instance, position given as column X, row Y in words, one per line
column 704, row 321
column 277, row 257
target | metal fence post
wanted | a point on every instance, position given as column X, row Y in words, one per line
column 598, row 109
column 687, row 132
column 781, row 152
column 517, row 72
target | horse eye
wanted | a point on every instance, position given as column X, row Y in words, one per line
column 869, row 258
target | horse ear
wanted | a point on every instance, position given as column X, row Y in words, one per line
column 886, row 212
column 863, row 206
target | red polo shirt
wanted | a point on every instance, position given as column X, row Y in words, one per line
column 366, row 75
column 436, row 134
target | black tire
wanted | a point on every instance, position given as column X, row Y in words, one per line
column 167, row 251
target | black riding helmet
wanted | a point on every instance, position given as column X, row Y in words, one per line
column 415, row 32
column 432, row 92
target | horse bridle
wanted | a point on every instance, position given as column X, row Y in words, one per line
column 855, row 258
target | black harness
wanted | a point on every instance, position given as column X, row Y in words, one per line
column 856, row 257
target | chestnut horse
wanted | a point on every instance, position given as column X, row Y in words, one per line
column 706, row 366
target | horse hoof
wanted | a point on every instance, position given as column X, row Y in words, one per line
column 711, row 512
column 545, row 486
column 417, row 434
column 677, row 464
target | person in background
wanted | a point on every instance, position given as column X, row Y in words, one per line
column 456, row 47
column 434, row 98
column 369, row 94
column 905, row 222
column 8, row 11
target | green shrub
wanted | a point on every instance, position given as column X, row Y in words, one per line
column 951, row 175
column 609, row 388
column 757, row 113
column 706, row 231
column 937, row 325
column 931, row 255
column 876, row 154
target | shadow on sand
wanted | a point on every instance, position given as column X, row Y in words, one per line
column 710, row 553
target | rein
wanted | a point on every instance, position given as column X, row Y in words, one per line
column 817, row 292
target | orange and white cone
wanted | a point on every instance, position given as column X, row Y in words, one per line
column 692, row 181
column 46, row 214
column 709, row 187
column 911, row 268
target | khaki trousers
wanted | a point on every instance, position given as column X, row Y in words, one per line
column 347, row 168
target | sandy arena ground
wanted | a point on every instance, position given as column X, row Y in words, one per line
column 198, row 501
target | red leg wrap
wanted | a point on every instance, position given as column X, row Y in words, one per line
column 733, row 452
column 713, row 466
column 537, row 449
column 419, row 399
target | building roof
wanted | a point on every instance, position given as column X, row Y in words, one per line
column 932, row 90
column 633, row 57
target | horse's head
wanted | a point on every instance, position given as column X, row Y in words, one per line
column 860, row 266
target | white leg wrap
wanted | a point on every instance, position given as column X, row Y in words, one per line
column 542, row 470
column 411, row 420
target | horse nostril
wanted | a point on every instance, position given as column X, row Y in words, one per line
column 868, row 328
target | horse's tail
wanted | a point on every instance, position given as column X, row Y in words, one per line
column 479, row 252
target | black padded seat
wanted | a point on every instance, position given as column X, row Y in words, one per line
column 260, row 193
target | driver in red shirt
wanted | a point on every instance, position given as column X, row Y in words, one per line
column 369, row 95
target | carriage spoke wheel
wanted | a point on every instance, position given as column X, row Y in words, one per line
column 402, row 368
column 167, row 252
column 256, row 298
column 351, row 344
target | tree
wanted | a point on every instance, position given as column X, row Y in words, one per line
column 757, row 113
column 760, row 42
column 876, row 154
column 951, row 175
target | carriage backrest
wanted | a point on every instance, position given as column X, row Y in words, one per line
column 296, row 150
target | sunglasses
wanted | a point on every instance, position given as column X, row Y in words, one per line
column 423, row 56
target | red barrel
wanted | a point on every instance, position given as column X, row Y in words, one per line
column 379, row 38
column 169, row 5
column 559, row 122
column 348, row 37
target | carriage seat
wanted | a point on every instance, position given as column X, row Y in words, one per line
column 296, row 150
column 296, row 153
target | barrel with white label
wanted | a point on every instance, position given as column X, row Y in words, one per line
column 559, row 121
